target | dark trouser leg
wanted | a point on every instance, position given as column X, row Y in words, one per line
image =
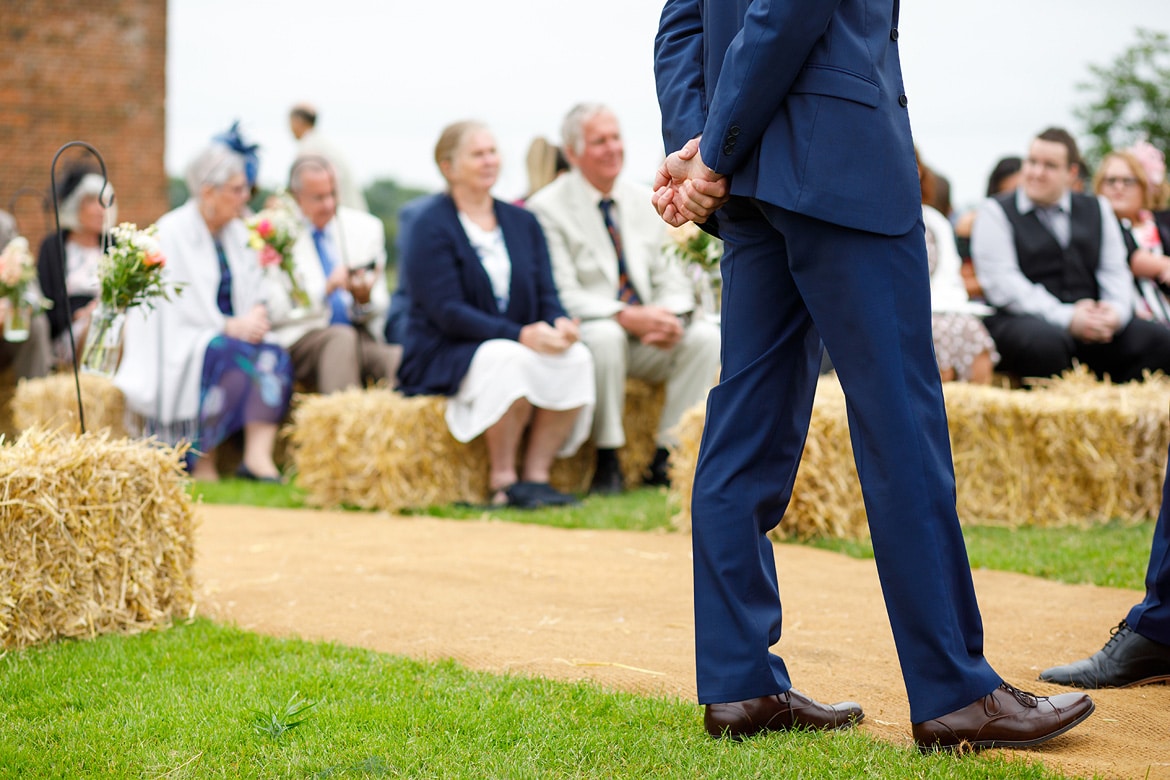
column 1030, row 347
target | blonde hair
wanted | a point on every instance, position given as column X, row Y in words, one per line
column 545, row 163
column 452, row 138
column 1150, row 196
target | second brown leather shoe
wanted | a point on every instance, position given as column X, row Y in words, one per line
column 1006, row 717
column 781, row 712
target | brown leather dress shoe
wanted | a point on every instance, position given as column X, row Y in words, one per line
column 1007, row 718
column 781, row 712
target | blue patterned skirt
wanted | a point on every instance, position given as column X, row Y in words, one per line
column 242, row 383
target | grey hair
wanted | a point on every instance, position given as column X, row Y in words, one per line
column 7, row 229
column 213, row 166
column 572, row 128
column 309, row 162
column 90, row 186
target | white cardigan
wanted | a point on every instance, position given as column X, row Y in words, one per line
column 162, row 358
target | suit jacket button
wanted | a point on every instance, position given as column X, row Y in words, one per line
column 894, row 34
column 728, row 148
column 903, row 101
column 734, row 131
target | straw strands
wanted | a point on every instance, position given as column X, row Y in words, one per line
column 51, row 402
column 1072, row 451
column 96, row 536
column 376, row 449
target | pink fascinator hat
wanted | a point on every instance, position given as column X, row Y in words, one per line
column 1152, row 161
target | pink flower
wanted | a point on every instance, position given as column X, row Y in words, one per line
column 264, row 228
column 154, row 259
column 269, row 257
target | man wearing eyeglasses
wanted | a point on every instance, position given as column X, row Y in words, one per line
column 1053, row 264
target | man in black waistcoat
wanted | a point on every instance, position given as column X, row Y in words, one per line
column 1053, row 264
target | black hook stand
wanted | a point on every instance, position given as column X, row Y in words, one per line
column 23, row 191
column 106, row 203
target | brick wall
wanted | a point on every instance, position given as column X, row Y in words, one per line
column 78, row 70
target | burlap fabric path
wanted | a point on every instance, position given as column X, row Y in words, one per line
column 615, row 608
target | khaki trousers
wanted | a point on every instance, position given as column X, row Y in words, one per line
column 342, row 356
column 689, row 370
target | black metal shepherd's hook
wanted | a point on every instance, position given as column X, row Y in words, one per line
column 29, row 191
column 106, row 203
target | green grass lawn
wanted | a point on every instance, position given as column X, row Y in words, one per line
column 205, row 700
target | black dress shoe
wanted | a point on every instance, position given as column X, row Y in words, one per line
column 1005, row 718
column 781, row 712
column 608, row 479
column 658, row 473
column 1128, row 658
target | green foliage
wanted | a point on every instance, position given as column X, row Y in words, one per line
column 385, row 197
column 175, row 704
column 1129, row 98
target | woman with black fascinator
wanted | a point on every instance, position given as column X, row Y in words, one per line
column 87, row 212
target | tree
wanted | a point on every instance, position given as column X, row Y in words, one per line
column 1130, row 98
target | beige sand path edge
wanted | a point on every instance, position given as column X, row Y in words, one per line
column 614, row 608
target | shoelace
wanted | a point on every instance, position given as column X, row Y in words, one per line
column 1023, row 697
column 1116, row 634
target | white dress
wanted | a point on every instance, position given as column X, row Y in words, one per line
column 503, row 370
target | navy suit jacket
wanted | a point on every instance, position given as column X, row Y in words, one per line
column 400, row 300
column 453, row 309
column 799, row 102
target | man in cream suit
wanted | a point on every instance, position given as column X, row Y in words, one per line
column 340, row 258
column 634, row 301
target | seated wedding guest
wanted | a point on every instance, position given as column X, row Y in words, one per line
column 1134, row 182
column 634, row 300
column 487, row 329
column 1005, row 177
column 72, row 285
column 1053, row 264
column 340, row 258
column 31, row 356
column 962, row 346
column 196, row 368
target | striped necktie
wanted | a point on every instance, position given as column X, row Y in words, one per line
column 626, row 292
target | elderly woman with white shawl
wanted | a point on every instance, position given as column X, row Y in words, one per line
column 196, row 368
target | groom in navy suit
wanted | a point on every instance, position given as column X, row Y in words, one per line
column 793, row 142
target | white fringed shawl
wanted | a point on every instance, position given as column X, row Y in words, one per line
column 162, row 359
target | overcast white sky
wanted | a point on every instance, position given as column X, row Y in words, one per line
column 387, row 75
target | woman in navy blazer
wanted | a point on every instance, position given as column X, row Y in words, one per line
column 485, row 325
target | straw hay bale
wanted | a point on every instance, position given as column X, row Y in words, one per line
column 51, row 402
column 7, row 390
column 1071, row 451
column 377, row 449
column 96, row 536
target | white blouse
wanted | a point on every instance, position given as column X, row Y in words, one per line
column 493, row 256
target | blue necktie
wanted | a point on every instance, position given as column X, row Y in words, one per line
column 626, row 292
column 337, row 301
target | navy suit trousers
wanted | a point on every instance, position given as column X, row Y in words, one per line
column 791, row 282
column 1151, row 618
